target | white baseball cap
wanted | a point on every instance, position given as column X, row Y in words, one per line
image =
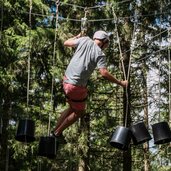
column 100, row 35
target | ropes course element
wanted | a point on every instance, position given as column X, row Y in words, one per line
column 47, row 144
column 159, row 73
column 148, row 56
column 169, row 60
column 53, row 62
column 149, row 41
column 120, row 50
column 84, row 22
column 128, row 74
column 1, row 28
column 26, row 127
column 161, row 130
column 126, row 77
column 29, row 56
column 94, row 7
column 2, row 18
column 99, row 20
column 122, row 63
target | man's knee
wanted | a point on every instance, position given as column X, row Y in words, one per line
column 79, row 113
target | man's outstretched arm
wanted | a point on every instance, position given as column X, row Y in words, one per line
column 104, row 72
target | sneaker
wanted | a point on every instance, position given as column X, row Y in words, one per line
column 59, row 138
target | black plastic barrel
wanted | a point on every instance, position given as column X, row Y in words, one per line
column 25, row 131
column 139, row 133
column 121, row 138
column 47, row 147
column 161, row 133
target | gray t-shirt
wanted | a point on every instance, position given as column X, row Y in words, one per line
column 86, row 58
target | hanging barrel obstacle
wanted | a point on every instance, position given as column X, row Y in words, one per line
column 26, row 127
column 48, row 144
column 161, row 133
column 47, row 147
column 121, row 138
column 25, row 131
column 139, row 133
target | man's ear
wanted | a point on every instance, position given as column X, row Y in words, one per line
column 105, row 41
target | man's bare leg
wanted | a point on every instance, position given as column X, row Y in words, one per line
column 63, row 116
column 69, row 120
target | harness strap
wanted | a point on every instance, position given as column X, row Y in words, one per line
column 82, row 100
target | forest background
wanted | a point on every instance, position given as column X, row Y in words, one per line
column 32, row 64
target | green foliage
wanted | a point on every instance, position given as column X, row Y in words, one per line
column 89, row 141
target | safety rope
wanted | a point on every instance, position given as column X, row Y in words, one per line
column 84, row 23
column 94, row 7
column 29, row 56
column 159, row 70
column 159, row 86
column 100, row 19
column 2, row 18
column 126, row 77
column 120, row 50
column 53, row 63
column 169, row 76
column 1, row 28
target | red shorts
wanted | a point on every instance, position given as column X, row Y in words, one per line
column 74, row 94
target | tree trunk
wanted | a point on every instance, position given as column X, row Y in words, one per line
column 4, row 138
column 84, row 129
column 146, row 145
column 127, row 158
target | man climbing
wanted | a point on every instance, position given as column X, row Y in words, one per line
column 87, row 57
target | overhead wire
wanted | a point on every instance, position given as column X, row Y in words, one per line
column 97, row 20
column 100, row 6
column 93, row 7
column 148, row 56
column 148, row 42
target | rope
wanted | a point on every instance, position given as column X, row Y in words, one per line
column 169, row 79
column 128, row 75
column 149, row 41
column 53, row 63
column 84, row 22
column 120, row 50
column 29, row 56
column 123, row 68
column 39, row 165
column 150, row 55
column 159, row 60
column 1, row 27
column 2, row 17
column 101, row 19
column 131, row 49
column 94, row 7
column 159, row 101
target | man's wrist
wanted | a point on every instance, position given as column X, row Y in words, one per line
column 120, row 82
